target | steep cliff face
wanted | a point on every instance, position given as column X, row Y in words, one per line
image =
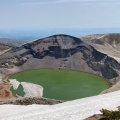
column 60, row 52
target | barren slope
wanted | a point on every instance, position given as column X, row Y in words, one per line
column 105, row 43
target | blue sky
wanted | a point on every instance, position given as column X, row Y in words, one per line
column 75, row 14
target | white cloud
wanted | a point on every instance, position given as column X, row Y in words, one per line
column 67, row 1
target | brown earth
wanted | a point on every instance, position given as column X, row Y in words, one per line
column 5, row 93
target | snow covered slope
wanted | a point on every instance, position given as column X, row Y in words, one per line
column 72, row 110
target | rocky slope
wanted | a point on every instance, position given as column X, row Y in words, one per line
column 4, row 48
column 59, row 52
column 105, row 43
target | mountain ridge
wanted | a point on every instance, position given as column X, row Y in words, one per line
column 60, row 52
column 61, row 47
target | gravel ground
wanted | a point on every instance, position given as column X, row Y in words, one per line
column 72, row 110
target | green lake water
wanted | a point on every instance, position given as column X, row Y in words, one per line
column 63, row 84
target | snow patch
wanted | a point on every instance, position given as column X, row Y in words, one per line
column 14, row 83
column 72, row 110
column 32, row 90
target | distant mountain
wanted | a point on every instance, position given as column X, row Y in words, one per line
column 12, row 42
